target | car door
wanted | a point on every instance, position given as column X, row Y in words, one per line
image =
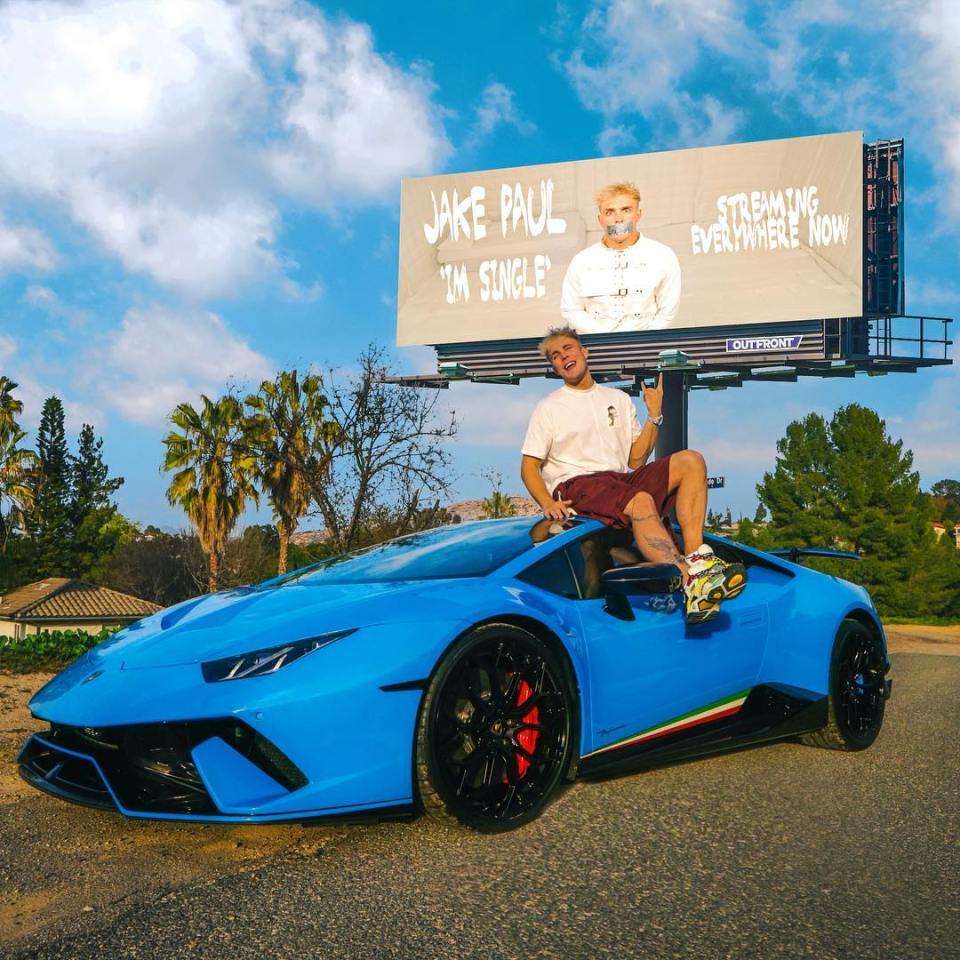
column 655, row 669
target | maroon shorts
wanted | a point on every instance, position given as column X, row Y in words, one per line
column 605, row 495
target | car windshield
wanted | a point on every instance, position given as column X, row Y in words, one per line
column 461, row 550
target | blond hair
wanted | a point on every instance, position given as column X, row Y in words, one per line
column 565, row 331
column 612, row 189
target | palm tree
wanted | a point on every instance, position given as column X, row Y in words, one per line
column 294, row 446
column 498, row 504
column 16, row 470
column 10, row 408
column 216, row 469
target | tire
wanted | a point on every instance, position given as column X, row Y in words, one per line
column 495, row 731
column 856, row 699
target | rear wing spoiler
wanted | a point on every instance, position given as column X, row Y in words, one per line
column 797, row 554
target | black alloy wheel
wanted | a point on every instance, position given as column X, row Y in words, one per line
column 858, row 669
column 495, row 734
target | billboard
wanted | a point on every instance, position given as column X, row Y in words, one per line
column 763, row 233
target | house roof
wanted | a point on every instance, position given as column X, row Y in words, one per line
column 61, row 598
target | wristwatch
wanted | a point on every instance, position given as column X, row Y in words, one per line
column 656, row 421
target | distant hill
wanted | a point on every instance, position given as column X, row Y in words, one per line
column 473, row 509
column 306, row 538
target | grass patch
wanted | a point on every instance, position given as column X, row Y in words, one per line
column 922, row 621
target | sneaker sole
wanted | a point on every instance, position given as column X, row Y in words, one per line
column 713, row 598
column 734, row 581
column 702, row 616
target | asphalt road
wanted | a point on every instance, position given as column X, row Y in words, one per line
column 779, row 851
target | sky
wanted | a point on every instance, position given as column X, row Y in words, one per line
column 196, row 194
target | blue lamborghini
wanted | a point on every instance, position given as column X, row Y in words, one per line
column 466, row 671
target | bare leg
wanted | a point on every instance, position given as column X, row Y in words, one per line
column 652, row 538
column 688, row 477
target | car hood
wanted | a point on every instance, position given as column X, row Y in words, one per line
column 239, row 621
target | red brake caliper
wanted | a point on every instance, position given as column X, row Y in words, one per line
column 526, row 738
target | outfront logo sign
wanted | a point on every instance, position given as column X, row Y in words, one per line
column 763, row 344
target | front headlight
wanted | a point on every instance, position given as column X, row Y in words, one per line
column 259, row 663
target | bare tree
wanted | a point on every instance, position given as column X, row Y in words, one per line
column 162, row 567
column 387, row 462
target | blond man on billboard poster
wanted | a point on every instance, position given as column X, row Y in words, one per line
column 626, row 281
column 586, row 453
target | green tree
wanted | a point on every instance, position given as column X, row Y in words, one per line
column 98, row 527
column 90, row 481
column 49, row 523
column 216, row 471
column 10, row 408
column 498, row 504
column 797, row 493
column 847, row 484
column 945, row 499
column 16, row 467
column 16, row 464
column 294, row 445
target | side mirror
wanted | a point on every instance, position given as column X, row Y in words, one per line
column 641, row 579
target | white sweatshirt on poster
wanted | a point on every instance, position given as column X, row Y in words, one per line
column 581, row 431
column 609, row 291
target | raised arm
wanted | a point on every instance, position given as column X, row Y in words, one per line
column 644, row 444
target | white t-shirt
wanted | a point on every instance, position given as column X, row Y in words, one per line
column 581, row 431
column 636, row 288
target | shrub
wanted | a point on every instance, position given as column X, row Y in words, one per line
column 48, row 649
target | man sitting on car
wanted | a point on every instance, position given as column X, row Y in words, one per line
column 585, row 453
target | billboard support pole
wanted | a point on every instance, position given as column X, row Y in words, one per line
column 672, row 436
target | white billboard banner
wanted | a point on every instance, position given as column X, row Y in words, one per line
column 752, row 233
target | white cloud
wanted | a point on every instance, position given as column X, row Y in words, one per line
column 616, row 139
column 498, row 108
column 635, row 57
column 724, row 454
column 937, row 24
column 38, row 296
column 353, row 122
column 33, row 389
column 804, row 60
column 160, row 357
column 23, row 246
column 489, row 415
column 934, row 438
column 923, row 104
column 43, row 298
column 926, row 296
column 170, row 130
column 413, row 360
column 301, row 293
column 8, row 347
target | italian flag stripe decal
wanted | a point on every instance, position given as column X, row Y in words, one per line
column 712, row 711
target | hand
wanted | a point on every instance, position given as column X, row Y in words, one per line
column 653, row 397
column 559, row 510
